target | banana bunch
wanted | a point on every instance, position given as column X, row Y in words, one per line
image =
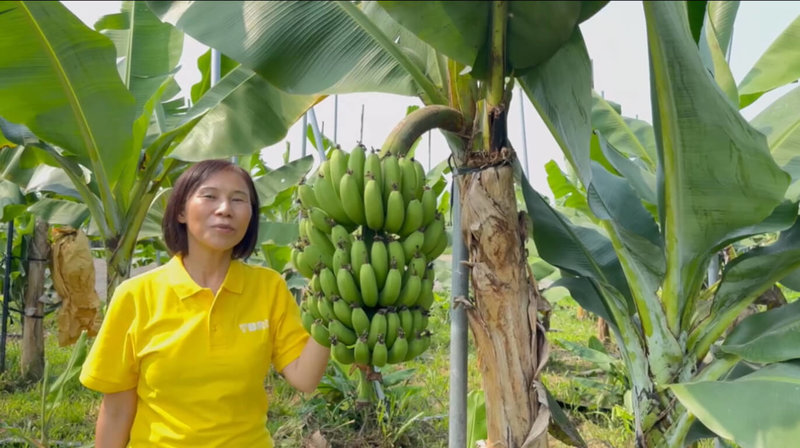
column 369, row 232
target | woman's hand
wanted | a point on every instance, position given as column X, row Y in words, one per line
column 115, row 419
column 305, row 372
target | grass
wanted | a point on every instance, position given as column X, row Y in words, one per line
column 418, row 414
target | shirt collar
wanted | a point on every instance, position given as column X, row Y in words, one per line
column 185, row 286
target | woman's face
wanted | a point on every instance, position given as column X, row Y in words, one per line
column 217, row 213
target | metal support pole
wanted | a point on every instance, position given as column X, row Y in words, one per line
column 524, row 135
column 317, row 135
column 458, row 331
column 335, row 118
column 6, row 295
column 216, row 64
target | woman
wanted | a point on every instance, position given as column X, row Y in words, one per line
column 184, row 349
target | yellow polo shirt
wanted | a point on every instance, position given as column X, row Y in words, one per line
column 198, row 362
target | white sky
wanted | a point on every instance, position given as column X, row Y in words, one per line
column 616, row 42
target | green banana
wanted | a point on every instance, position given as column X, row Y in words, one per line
column 361, row 350
column 417, row 265
column 321, row 220
column 377, row 326
column 329, row 201
column 327, row 281
column 341, row 257
column 307, row 197
column 406, row 320
column 347, row 285
column 392, row 325
column 372, row 170
column 428, row 205
column 306, row 317
column 397, row 253
column 425, row 299
column 409, row 178
column 355, row 163
column 439, row 249
column 395, row 211
column 340, row 236
column 314, row 283
column 341, row 310
column 379, row 258
column 418, row 345
column 418, row 321
column 300, row 263
column 433, row 235
column 421, row 178
column 312, row 306
column 413, row 218
column 360, row 320
column 302, row 227
column 390, row 169
column 410, row 292
column 321, row 241
column 338, row 166
column 325, row 307
column 320, row 333
column 341, row 352
column 358, row 255
column 369, row 285
column 373, row 205
column 413, row 244
column 344, row 334
column 392, row 288
column 397, row 352
column 379, row 353
column 352, row 200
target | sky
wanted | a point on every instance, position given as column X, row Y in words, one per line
column 615, row 39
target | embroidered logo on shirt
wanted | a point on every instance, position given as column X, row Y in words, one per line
column 254, row 326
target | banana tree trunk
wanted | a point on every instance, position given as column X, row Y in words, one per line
column 32, row 359
column 503, row 315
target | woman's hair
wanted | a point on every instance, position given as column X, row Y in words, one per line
column 175, row 232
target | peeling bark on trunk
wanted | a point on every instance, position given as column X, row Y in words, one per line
column 32, row 359
column 503, row 315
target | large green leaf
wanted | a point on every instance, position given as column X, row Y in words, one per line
column 723, row 16
column 780, row 122
column 642, row 180
column 57, row 211
column 150, row 50
column 634, row 138
column 263, row 114
column 280, row 233
column 561, row 90
column 577, row 250
column 778, row 66
column 716, row 174
column 713, row 53
column 226, row 65
column 756, row 410
column 299, row 47
column 9, row 195
column 270, row 184
column 59, row 78
column 564, row 190
column 771, row 336
column 460, row 30
column 745, row 278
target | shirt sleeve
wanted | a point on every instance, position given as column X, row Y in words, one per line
column 112, row 365
column 290, row 336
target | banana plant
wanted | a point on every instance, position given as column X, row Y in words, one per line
column 114, row 130
column 459, row 73
column 662, row 201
